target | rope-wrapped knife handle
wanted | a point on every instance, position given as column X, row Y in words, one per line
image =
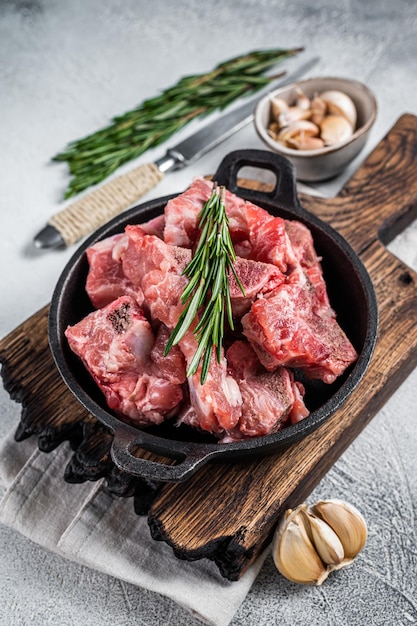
column 99, row 206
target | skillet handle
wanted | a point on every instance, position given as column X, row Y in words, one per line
column 285, row 190
column 190, row 459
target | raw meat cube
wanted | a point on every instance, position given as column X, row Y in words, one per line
column 115, row 344
column 106, row 280
column 284, row 329
column 269, row 399
column 217, row 404
column 156, row 269
column 303, row 246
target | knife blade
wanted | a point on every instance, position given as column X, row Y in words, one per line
column 97, row 207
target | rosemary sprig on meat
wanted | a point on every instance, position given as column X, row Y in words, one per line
column 93, row 158
column 208, row 286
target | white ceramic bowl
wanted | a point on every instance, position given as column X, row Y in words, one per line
column 327, row 162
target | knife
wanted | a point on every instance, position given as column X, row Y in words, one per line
column 94, row 209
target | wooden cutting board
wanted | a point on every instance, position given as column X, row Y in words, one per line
column 227, row 511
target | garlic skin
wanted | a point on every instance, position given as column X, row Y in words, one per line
column 305, row 142
column 346, row 521
column 318, row 110
column 297, row 128
column 313, row 540
column 292, row 115
column 293, row 552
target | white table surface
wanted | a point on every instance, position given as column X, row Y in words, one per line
column 65, row 69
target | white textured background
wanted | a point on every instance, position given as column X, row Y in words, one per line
column 66, row 67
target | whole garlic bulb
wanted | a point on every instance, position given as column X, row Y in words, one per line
column 312, row 541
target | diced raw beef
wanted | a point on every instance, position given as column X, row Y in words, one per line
column 285, row 330
column 217, row 404
column 256, row 278
column 271, row 244
column 320, row 298
column 172, row 366
column 106, row 280
column 115, row 344
column 155, row 226
column 268, row 398
column 188, row 416
column 181, row 214
column 303, row 245
column 156, row 269
column 287, row 319
column 243, row 215
column 128, row 253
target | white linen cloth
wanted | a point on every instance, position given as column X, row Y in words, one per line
column 86, row 524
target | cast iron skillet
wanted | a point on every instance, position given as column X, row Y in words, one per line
column 351, row 294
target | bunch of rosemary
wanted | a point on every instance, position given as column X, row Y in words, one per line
column 95, row 157
column 208, row 286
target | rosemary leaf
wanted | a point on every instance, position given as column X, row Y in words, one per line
column 185, row 319
column 208, row 286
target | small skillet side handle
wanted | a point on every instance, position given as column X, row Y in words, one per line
column 189, row 458
column 285, row 190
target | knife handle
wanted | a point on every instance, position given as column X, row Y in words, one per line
column 96, row 208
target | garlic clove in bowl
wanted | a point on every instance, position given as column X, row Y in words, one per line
column 292, row 115
column 318, row 110
column 305, row 142
column 300, row 127
column 339, row 103
column 335, row 129
column 303, row 101
column 278, row 106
